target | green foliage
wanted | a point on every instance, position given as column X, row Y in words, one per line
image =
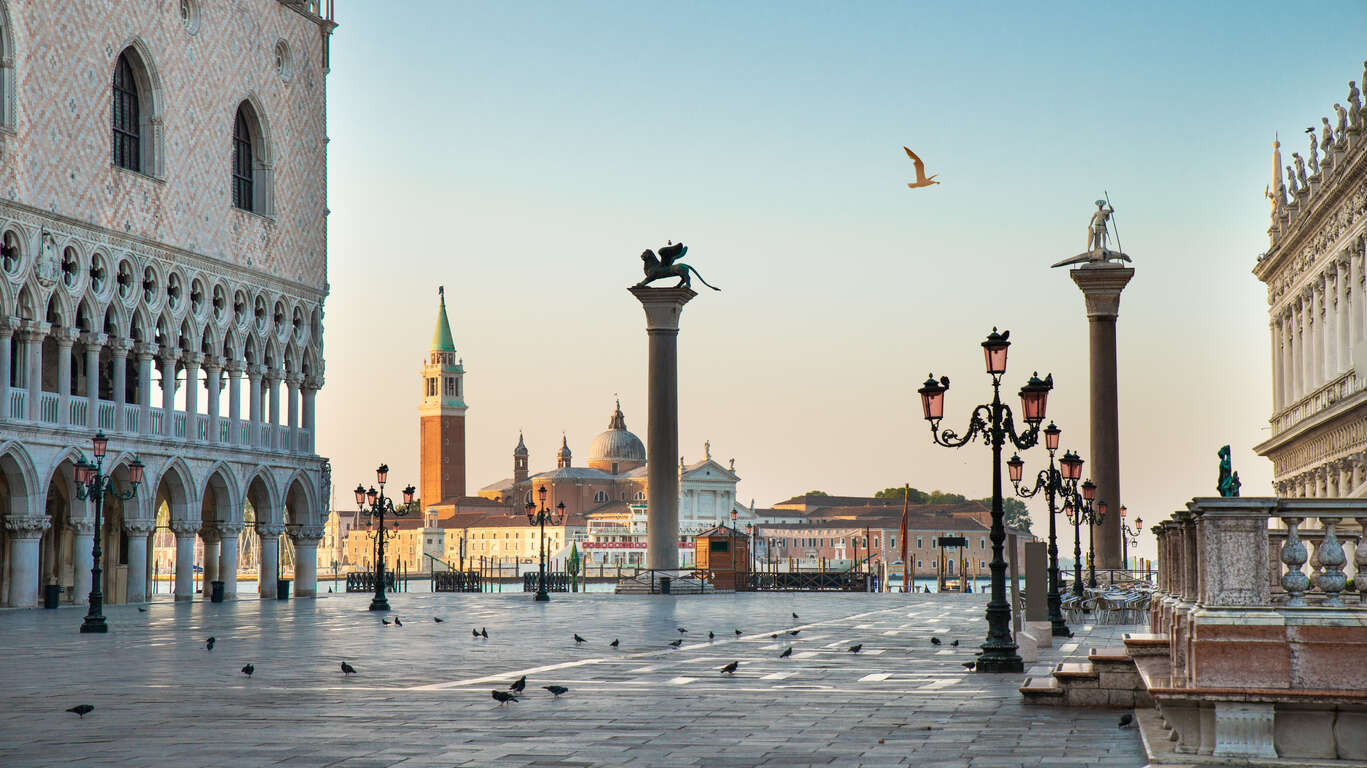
column 1014, row 513
column 917, row 497
column 1014, row 510
column 816, row 493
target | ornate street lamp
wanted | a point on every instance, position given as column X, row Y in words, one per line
column 1055, row 483
column 1083, row 509
column 1129, row 537
column 374, row 504
column 540, row 516
column 92, row 483
column 995, row 424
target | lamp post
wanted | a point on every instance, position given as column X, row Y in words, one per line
column 1084, row 509
column 1129, row 537
column 1055, row 483
column 539, row 516
column 92, row 483
column 379, row 506
column 994, row 423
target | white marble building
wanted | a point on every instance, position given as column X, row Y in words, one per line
column 1314, row 273
column 163, row 267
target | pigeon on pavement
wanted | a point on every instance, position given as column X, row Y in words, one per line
column 248, row 670
column 437, row 619
column 519, row 684
column 503, row 697
column 578, row 639
column 397, row 623
column 730, row 669
column 934, row 641
column 82, row 710
column 786, row 653
column 614, row 643
column 1126, row 719
column 969, row 665
column 676, row 643
column 794, row 632
column 955, row 643
column 484, row 633
column 347, row 669
column 384, row 622
column 209, row 644
column 556, row 690
column 856, row 648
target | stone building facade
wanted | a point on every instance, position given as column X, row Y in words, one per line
column 1314, row 270
column 163, row 267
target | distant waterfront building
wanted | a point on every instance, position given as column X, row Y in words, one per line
column 1314, row 273
column 163, row 268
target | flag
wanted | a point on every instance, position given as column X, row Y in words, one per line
column 906, row 566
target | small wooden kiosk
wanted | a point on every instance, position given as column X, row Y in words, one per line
column 725, row 553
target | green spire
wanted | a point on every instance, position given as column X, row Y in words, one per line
column 441, row 337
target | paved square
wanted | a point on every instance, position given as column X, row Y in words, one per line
column 422, row 695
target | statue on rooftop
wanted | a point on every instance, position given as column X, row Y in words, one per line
column 1314, row 151
column 1354, row 104
column 1300, row 170
column 1099, row 229
column 1342, row 128
column 1228, row 485
column 1328, row 137
column 664, row 265
column 1291, row 181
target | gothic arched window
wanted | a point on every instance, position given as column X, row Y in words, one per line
column 127, row 117
column 243, row 161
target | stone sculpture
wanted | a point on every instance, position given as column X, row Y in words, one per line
column 1300, row 170
column 1328, row 140
column 1342, row 128
column 1291, row 181
column 1096, row 228
column 664, row 265
column 1354, row 105
column 1314, row 151
column 1228, row 485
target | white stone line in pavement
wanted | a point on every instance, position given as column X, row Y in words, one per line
column 939, row 684
column 875, row 677
column 682, row 680
column 506, row 675
column 1068, row 647
column 777, row 675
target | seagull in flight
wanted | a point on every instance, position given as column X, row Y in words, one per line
column 922, row 180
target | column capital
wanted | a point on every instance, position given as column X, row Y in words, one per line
column 663, row 306
column 66, row 337
column 255, row 370
column 209, row 533
column 120, row 347
column 34, row 330
column 1101, row 284
column 184, row 528
column 293, row 380
column 270, row 529
column 193, row 358
column 309, row 534
column 8, row 325
column 311, row 383
column 230, row 529
column 236, row 367
column 136, row 527
column 92, row 339
column 27, row 526
column 81, row 526
column 213, row 363
column 146, row 350
column 275, row 374
column 171, row 354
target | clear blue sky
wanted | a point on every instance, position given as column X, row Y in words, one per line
column 523, row 154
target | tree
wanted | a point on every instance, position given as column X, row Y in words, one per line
column 816, row 493
column 917, row 497
column 1014, row 513
column 945, row 497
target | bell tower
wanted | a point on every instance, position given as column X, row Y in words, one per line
column 442, row 417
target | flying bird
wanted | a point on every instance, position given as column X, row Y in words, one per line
column 519, row 685
column 786, row 653
column 82, row 710
column 209, row 644
column 439, row 620
column 676, row 643
column 502, row 697
column 1126, row 719
column 397, row 623
column 347, row 669
column 614, row 643
column 556, row 690
column 935, row 641
column 730, row 669
column 922, row 180
column 248, row 670
column 578, row 639
column 856, row 648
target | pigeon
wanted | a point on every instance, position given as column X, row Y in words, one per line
column 794, row 632
column 484, row 633
column 519, row 685
column 503, row 697
column 556, row 690
column 730, row 669
column 578, row 639
column 710, row 636
column 676, row 643
column 856, row 648
column 773, row 636
column 347, row 669
column 248, row 670
column 141, row 609
column 384, row 622
column 795, row 614
column 738, row 633
column 955, row 643
column 474, row 633
column 613, row 643
column 935, row 641
column 397, row 623
column 209, row 644
column 683, row 631
column 1126, row 719
column 787, row 653
column 437, row 619
column 969, row 665
column 82, row 710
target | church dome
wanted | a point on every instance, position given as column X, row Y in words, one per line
column 617, row 450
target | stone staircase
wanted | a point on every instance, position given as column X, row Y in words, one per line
column 1109, row 678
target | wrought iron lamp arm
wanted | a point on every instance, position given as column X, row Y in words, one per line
column 1043, row 482
column 979, row 422
column 1027, row 439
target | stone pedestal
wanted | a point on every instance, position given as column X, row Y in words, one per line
column 663, row 306
column 306, row 560
column 1101, row 284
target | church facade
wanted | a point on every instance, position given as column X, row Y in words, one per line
column 1315, row 275
column 163, row 268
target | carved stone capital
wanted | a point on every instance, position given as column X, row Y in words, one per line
column 120, row 347
column 95, row 340
column 184, row 528
column 193, row 358
column 230, row 529
column 139, row 527
column 66, row 337
column 8, row 325
column 309, row 534
column 269, row 530
column 146, row 350
column 170, row 355
column 34, row 331
column 81, row 526
column 27, row 527
column 212, row 363
column 210, row 534
column 237, row 367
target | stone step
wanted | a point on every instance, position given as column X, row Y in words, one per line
column 1042, row 690
column 1069, row 671
column 1146, row 644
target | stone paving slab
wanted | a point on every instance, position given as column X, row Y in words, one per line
column 422, row 695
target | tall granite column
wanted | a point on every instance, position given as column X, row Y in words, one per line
column 663, row 307
column 1101, row 284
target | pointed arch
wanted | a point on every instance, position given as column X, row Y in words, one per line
column 175, row 485
column 253, row 158
column 219, row 500
column 6, row 299
column 301, row 499
column 27, row 305
column 260, row 491
column 137, row 111
column 59, row 307
column 86, row 316
column 7, row 59
column 140, row 326
column 21, row 478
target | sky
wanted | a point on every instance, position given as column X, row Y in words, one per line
column 524, row 154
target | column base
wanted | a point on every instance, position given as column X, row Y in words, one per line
column 999, row 661
column 94, row 624
column 379, row 604
column 542, row 597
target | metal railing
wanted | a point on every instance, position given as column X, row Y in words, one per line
column 457, row 581
column 364, row 581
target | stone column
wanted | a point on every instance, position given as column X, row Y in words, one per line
column 1275, row 328
column 1330, row 313
column 1355, row 303
column 306, row 560
column 169, row 357
column 1297, row 352
column 185, row 558
column 1288, row 358
column 7, row 326
column 34, row 333
column 274, row 377
column 212, row 367
column 663, row 307
column 192, row 361
column 138, row 531
column 66, row 339
column 118, row 352
column 209, row 535
column 145, row 353
column 227, row 558
column 94, row 342
column 310, row 390
column 1342, row 318
column 83, row 558
column 24, row 533
column 235, row 370
column 292, row 412
column 1101, row 284
column 254, row 373
column 1317, row 334
column 270, row 557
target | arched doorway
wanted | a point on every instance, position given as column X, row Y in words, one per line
column 218, row 533
column 57, row 555
column 176, row 529
column 19, row 572
column 262, row 530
